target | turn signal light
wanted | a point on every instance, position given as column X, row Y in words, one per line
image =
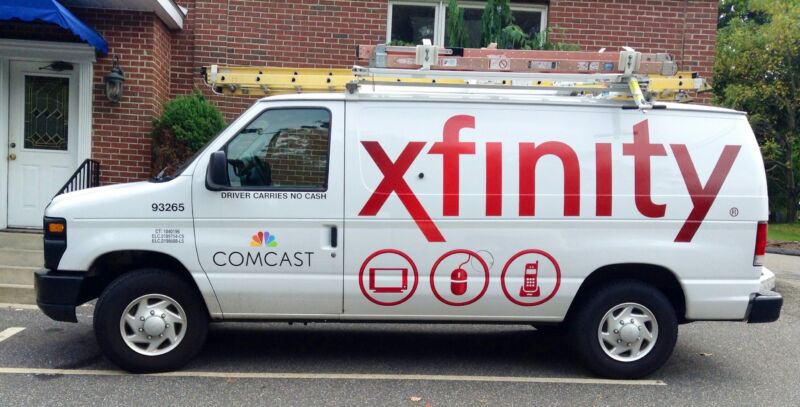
column 56, row 228
column 761, row 244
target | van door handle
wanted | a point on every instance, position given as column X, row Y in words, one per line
column 334, row 236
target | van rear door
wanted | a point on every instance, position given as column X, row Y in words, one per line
column 270, row 243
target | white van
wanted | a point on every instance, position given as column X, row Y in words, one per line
column 424, row 204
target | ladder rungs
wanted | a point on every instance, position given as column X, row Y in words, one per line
column 264, row 81
column 503, row 60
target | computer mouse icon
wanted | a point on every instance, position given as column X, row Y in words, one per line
column 458, row 281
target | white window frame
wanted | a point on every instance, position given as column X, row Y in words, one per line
column 440, row 14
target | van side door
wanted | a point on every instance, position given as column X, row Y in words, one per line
column 269, row 242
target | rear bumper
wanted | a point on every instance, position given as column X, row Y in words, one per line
column 58, row 293
column 765, row 306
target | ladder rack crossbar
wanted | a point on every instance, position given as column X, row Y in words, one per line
column 588, row 88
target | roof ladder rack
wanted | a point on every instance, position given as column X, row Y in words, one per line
column 626, row 74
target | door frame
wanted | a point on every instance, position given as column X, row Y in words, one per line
column 82, row 56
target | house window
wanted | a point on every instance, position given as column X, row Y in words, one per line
column 412, row 21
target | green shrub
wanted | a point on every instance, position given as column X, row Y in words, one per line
column 191, row 119
column 186, row 124
column 456, row 27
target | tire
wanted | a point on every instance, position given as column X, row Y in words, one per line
column 165, row 296
column 612, row 357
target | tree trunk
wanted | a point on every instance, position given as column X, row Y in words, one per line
column 791, row 137
column 791, row 183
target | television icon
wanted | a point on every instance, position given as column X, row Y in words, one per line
column 388, row 280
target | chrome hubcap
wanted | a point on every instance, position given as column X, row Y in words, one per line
column 628, row 332
column 153, row 324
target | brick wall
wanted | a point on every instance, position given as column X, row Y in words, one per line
column 121, row 132
column 311, row 33
column 684, row 28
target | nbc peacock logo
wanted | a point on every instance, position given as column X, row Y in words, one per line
column 263, row 239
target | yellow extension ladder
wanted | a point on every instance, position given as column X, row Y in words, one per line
column 627, row 74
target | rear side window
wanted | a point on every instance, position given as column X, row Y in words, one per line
column 282, row 149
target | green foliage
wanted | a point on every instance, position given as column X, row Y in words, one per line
column 457, row 35
column 191, row 119
column 497, row 25
column 788, row 232
column 518, row 39
column 730, row 10
column 496, row 16
column 186, row 124
column 757, row 70
column 401, row 43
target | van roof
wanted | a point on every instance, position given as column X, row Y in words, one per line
column 461, row 95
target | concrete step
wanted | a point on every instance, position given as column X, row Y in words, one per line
column 21, row 240
column 17, row 294
column 17, row 275
column 21, row 257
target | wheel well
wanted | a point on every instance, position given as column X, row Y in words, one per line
column 657, row 276
column 111, row 265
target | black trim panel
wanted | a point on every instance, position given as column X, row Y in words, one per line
column 765, row 306
column 58, row 293
column 54, row 246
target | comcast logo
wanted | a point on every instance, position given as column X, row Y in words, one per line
column 263, row 239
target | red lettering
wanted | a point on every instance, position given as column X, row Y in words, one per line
column 702, row 197
column 451, row 148
column 494, row 179
column 602, row 157
column 529, row 155
column 642, row 150
column 393, row 182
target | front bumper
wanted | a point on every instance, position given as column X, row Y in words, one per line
column 58, row 293
column 765, row 306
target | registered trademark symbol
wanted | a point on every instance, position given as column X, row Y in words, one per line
column 734, row 211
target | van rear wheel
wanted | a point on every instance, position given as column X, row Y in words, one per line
column 150, row 320
column 626, row 330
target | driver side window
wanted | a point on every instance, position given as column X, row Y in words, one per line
column 282, row 149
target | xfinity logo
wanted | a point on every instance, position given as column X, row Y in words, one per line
column 451, row 148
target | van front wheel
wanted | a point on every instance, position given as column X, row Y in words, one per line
column 150, row 321
column 626, row 330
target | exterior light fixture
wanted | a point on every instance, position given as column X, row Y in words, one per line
column 114, row 81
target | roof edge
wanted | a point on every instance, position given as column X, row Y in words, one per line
column 170, row 13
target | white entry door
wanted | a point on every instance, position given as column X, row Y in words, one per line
column 42, row 138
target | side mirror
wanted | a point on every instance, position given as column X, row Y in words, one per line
column 217, row 172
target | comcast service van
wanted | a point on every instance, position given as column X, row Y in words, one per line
column 465, row 204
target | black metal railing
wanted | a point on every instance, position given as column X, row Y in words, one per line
column 86, row 176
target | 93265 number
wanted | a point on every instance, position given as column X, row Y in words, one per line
column 167, row 207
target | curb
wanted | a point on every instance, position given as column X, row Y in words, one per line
column 778, row 250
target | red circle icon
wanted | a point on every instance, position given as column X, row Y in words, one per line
column 530, row 287
column 459, row 280
column 503, row 63
column 398, row 278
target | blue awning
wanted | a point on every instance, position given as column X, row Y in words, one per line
column 51, row 11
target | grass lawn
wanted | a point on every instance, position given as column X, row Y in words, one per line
column 784, row 231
